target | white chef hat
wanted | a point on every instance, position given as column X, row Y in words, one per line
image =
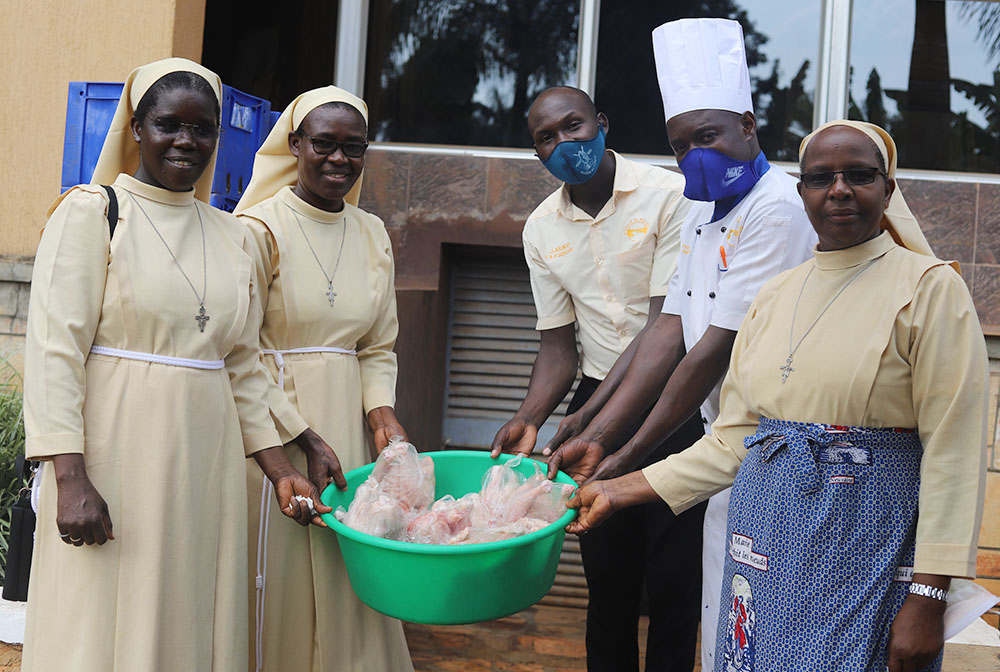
column 701, row 64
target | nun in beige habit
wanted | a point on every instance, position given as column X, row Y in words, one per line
column 325, row 272
column 143, row 395
column 854, row 423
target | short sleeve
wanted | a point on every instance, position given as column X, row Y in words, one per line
column 553, row 303
column 668, row 241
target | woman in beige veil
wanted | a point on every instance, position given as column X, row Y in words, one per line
column 325, row 270
column 853, row 419
column 144, row 395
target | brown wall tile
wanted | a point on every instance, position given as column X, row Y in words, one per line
column 447, row 187
column 989, row 533
column 988, row 226
column 986, row 293
column 993, row 450
column 946, row 212
column 386, row 185
column 988, row 564
column 515, row 187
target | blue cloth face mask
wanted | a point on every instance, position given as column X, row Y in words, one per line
column 575, row 161
column 710, row 175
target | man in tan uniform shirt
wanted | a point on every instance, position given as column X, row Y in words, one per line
column 601, row 251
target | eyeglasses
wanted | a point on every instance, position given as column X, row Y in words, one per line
column 170, row 126
column 856, row 177
column 325, row 147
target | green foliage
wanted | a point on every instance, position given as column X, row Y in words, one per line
column 11, row 445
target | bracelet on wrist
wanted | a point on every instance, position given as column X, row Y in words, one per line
column 929, row 591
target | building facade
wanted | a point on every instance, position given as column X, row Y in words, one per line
column 452, row 173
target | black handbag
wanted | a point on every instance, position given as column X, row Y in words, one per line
column 21, row 541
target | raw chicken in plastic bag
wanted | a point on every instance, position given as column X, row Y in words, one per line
column 374, row 513
column 517, row 528
column 406, row 476
column 446, row 519
column 397, row 502
column 534, row 497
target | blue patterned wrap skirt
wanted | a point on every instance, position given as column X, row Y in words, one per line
column 822, row 522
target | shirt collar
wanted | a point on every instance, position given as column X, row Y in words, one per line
column 153, row 193
column 288, row 197
column 625, row 180
column 854, row 255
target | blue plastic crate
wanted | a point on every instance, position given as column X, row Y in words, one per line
column 246, row 121
column 89, row 110
column 223, row 202
column 274, row 120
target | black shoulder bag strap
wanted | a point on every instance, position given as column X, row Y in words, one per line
column 112, row 208
column 20, row 540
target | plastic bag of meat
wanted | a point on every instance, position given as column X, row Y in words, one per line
column 499, row 482
column 446, row 519
column 405, row 476
column 517, row 528
column 373, row 512
column 535, row 497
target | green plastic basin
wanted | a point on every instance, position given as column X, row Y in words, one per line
column 449, row 585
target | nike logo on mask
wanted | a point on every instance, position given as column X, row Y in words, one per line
column 732, row 174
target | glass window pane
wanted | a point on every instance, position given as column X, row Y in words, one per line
column 465, row 72
column 782, row 41
column 271, row 54
column 927, row 71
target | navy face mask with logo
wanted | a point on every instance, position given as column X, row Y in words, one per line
column 575, row 161
column 710, row 175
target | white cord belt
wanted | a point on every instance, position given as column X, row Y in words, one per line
column 208, row 364
column 279, row 357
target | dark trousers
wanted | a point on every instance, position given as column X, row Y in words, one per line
column 644, row 546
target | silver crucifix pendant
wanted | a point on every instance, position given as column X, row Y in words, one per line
column 201, row 318
column 786, row 369
column 330, row 294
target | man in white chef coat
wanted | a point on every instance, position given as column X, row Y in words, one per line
column 747, row 225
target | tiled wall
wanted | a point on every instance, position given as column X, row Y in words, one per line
column 988, row 563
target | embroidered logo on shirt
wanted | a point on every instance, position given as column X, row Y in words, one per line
column 741, row 550
column 560, row 251
column 843, row 480
column 740, row 624
column 733, row 235
column 685, row 249
column 637, row 228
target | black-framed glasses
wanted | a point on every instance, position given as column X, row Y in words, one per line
column 325, row 146
column 856, row 177
column 171, row 126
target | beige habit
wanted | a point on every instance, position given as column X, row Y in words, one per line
column 901, row 347
column 164, row 445
column 304, row 613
